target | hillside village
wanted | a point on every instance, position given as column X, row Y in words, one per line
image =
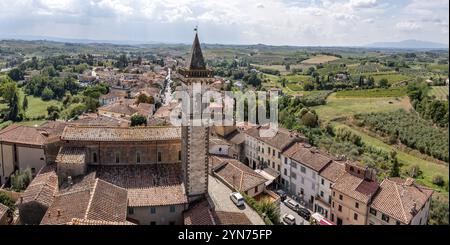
column 120, row 162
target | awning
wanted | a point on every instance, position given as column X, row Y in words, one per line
column 269, row 176
column 325, row 222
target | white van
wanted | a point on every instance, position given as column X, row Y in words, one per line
column 289, row 219
column 237, row 198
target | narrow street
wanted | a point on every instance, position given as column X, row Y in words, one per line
column 286, row 210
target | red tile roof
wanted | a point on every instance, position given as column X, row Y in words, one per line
column 24, row 135
column 71, row 155
column 333, row 171
column 280, row 141
column 77, row 221
column 231, row 218
column 307, row 155
column 401, row 199
column 43, row 187
column 357, row 188
column 199, row 214
column 235, row 173
column 147, row 185
column 98, row 200
column 124, row 134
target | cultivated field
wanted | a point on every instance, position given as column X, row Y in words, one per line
column 345, row 107
column 372, row 93
column 440, row 92
column 319, row 59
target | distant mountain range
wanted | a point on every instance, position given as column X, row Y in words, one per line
column 406, row 44
column 409, row 44
column 72, row 40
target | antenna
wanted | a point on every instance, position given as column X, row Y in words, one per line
column 196, row 29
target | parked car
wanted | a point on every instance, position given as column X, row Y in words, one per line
column 237, row 199
column 282, row 195
column 289, row 219
column 291, row 204
column 304, row 213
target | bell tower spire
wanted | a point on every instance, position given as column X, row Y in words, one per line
column 196, row 66
column 195, row 138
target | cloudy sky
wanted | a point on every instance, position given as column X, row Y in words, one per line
column 278, row 22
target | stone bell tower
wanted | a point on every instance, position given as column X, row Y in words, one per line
column 195, row 138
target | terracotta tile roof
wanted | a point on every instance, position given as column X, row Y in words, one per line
column 231, row 218
column 93, row 133
column 99, row 120
column 108, row 203
column 71, row 155
column 54, row 128
column 333, row 171
column 98, row 200
column 144, row 109
column 114, row 94
column 77, row 221
column 280, row 141
column 308, row 156
column 199, row 214
column 235, row 173
column 236, row 137
column 43, row 187
column 23, row 135
column 217, row 141
column 147, row 185
column 401, row 199
column 120, row 108
column 3, row 210
column 79, row 183
column 355, row 187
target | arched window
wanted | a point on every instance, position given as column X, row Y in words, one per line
column 117, row 157
column 138, row 157
column 94, row 157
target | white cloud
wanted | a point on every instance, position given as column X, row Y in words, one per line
column 363, row 3
column 408, row 26
column 318, row 22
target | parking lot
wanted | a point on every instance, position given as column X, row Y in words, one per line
column 286, row 210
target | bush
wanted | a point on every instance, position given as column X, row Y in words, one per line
column 138, row 120
column 438, row 212
column 347, row 135
column 47, row 94
column 21, row 179
column 6, row 200
column 438, row 180
column 414, row 171
column 265, row 208
column 309, row 119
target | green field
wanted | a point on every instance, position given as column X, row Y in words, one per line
column 438, row 68
column 373, row 93
column 36, row 106
column 345, row 107
column 428, row 168
column 440, row 92
column 320, row 59
column 393, row 78
column 281, row 68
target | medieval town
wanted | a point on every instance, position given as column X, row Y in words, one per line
column 103, row 168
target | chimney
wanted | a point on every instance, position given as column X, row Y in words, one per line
column 414, row 208
column 409, row 182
